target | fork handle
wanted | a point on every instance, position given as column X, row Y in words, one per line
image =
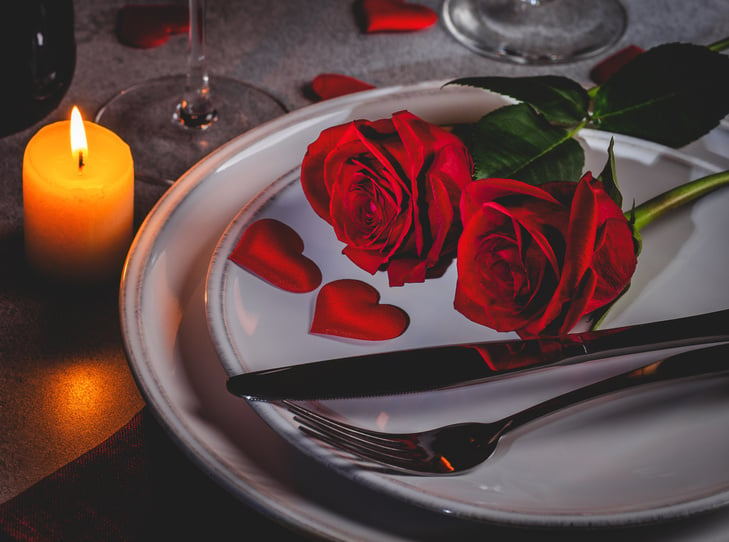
column 686, row 364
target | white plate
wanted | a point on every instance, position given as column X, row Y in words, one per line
column 598, row 466
column 175, row 365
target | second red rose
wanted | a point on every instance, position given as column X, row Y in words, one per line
column 537, row 259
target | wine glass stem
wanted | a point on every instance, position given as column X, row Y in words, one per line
column 196, row 109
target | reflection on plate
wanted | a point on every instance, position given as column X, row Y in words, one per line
column 174, row 361
column 605, row 464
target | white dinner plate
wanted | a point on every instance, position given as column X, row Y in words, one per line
column 175, row 363
column 609, row 472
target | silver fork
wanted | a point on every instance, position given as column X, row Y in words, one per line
column 454, row 448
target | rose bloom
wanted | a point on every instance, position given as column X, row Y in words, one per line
column 535, row 259
column 390, row 188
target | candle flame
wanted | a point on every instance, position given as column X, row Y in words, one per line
column 79, row 147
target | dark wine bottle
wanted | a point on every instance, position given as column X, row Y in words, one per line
column 38, row 52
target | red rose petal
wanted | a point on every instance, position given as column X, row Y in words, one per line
column 332, row 85
column 351, row 308
column 396, row 16
column 601, row 72
column 273, row 251
column 150, row 26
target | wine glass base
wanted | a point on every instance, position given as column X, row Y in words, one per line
column 144, row 116
column 546, row 32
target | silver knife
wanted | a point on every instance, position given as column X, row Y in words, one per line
column 423, row 369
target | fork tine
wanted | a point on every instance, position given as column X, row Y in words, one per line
column 393, row 462
column 353, row 440
column 375, row 439
column 361, row 442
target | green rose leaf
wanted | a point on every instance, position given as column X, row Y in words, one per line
column 671, row 94
column 515, row 142
column 559, row 99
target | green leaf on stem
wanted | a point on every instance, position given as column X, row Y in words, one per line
column 515, row 142
column 671, row 94
column 561, row 100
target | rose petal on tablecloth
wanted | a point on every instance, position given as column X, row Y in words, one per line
column 332, row 85
column 602, row 71
column 395, row 16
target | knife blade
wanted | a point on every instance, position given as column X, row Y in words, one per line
column 439, row 367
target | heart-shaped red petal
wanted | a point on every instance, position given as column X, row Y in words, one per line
column 150, row 26
column 332, row 85
column 351, row 308
column 273, row 251
column 396, row 16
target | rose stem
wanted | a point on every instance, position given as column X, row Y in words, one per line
column 647, row 212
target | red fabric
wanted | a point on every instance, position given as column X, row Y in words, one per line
column 273, row 251
column 602, row 71
column 135, row 486
column 150, row 26
column 351, row 308
column 395, row 16
column 332, row 85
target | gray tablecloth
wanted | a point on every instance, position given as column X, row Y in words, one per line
column 280, row 46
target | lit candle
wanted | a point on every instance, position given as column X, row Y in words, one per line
column 78, row 201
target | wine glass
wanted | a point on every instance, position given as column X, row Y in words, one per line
column 170, row 123
column 535, row 31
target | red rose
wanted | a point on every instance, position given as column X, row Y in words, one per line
column 536, row 259
column 390, row 188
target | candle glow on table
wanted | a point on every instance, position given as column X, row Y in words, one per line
column 78, row 201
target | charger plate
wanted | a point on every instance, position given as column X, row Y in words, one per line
column 164, row 323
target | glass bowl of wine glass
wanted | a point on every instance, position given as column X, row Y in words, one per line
column 536, row 31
